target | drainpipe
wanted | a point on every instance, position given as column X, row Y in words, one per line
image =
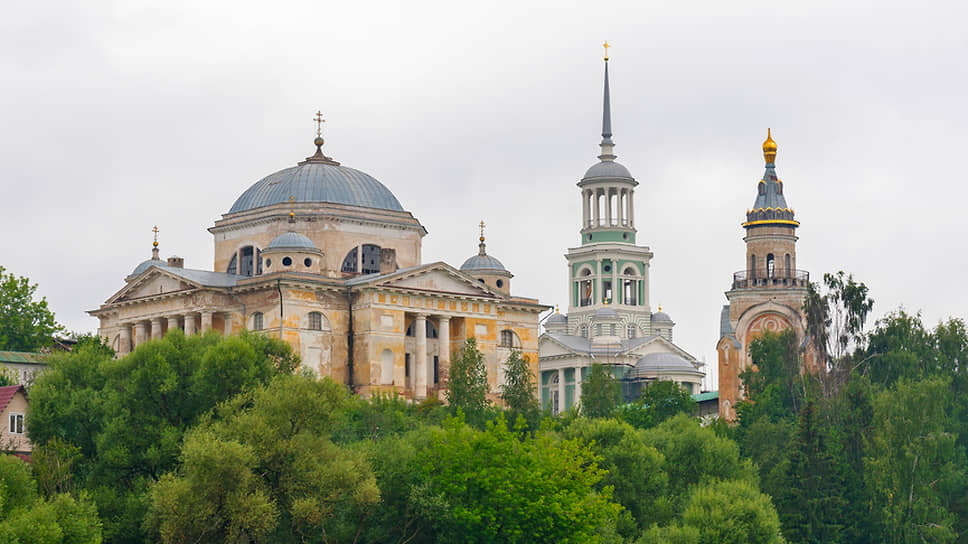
column 349, row 338
column 282, row 320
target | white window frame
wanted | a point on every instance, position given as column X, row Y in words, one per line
column 15, row 423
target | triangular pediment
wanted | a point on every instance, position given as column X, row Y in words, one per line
column 436, row 277
column 549, row 346
column 659, row 344
column 154, row 281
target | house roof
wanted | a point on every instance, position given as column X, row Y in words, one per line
column 23, row 357
column 8, row 392
column 708, row 395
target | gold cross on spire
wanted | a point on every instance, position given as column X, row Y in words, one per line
column 606, row 46
column 482, row 230
column 292, row 211
column 155, row 230
column 319, row 122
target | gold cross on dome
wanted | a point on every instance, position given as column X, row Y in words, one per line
column 319, row 123
column 606, row 46
column 155, row 230
column 482, row 230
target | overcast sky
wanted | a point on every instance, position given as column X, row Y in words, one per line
column 117, row 116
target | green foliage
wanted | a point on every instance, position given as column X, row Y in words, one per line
column 519, row 392
column 775, row 387
column 600, row 392
column 633, row 468
column 498, row 486
column 26, row 518
column 262, row 465
column 660, row 401
column 915, row 466
column 53, row 465
column 127, row 417
column 25, row 324
column 467, row 382
column 732, row 512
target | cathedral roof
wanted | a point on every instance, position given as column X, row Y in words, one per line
column 291, row 240
column 661, row 317
column 770, row 206
column 664, row 362
column 318, row 179
column 145, row 265
column 556, row 318
column 482, row 262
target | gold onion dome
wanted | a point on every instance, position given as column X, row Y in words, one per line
column 769, row 148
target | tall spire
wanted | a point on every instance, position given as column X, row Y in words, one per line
column 607, row 145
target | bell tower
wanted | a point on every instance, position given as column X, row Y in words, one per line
column 768, row 294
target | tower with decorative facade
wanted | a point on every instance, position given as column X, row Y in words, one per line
column 766, row 296
column 610, row 318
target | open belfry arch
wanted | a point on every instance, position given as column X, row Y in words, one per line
column 610, row 317
column 326, row 258
column 768, row 294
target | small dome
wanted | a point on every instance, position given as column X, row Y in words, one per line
column 664, row 362
column 661, row 317
column 769, row 146
column 291, row 240
column 555, row 319
column 606, row 313
column 607, row 170
column 145, row 266
column 482, row 263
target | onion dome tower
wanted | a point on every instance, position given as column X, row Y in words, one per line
column 488, row 269
column 768, row 295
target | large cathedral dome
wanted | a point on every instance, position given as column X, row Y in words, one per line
column 318, row 179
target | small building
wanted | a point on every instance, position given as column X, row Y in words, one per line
column 707, row 404
column 22, row 367
column 13, row 415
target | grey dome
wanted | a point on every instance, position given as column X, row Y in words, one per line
column 555, row 319
column 661, row 317
column 318, row 182
column 606, row 313
column 291, row 240
column 145, row 266
column 482, row 263
column 664, row 362
column 608, row 170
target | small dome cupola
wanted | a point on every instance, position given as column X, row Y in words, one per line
column 556, row 323
column 291, row 252
column 155, row 260
column 770, row 207
column 662, row 324
column 487, row 269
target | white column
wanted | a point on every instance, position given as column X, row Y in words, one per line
column 226, row 324
column 420, row 358
column 577, row 385
column 596, row 198
column 619, row 205
column 608, row 207
column 189, row 324
column 172, row 323
column 631, row 208
column 206, row 320
column 615, row 285
column 124, row 343
column 443, row 343
column 156, row 328
column 139, row 333
column 562, row 405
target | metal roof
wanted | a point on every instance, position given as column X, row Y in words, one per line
column 23, row 357
column 664, row 362
column 292, row 240
column 661, row 317
column 708, row 395
column 318, row 182
column 607, row 170
column 482, row 263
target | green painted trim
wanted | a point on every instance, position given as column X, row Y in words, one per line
column 637, row 264
column 607, row 236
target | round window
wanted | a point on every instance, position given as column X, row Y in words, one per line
column 308, row 262
column 268, row 263
column 500, row 283
column 589, row 236
column 625, row 236
column 608, row 268
column 286, row 261
column 480, row 280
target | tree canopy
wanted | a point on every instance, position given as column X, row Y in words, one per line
column 26, row 324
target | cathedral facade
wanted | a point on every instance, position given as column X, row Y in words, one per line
column 768, row 295
column 610, row 318
column 325, row 258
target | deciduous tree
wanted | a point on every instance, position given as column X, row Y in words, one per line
column 26, row 324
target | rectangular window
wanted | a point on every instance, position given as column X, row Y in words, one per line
column 436, row 369
column 607, row 291
column 17, row 423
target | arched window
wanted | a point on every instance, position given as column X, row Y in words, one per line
column 257, row 319
column 584, row 330
column 386, row 367
column 509, row 339
column 555, row 401
column 349, row 262
column 251, row 261
column 631, row 330
column 789, row 271
column 315, row 321
column 770, row 265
